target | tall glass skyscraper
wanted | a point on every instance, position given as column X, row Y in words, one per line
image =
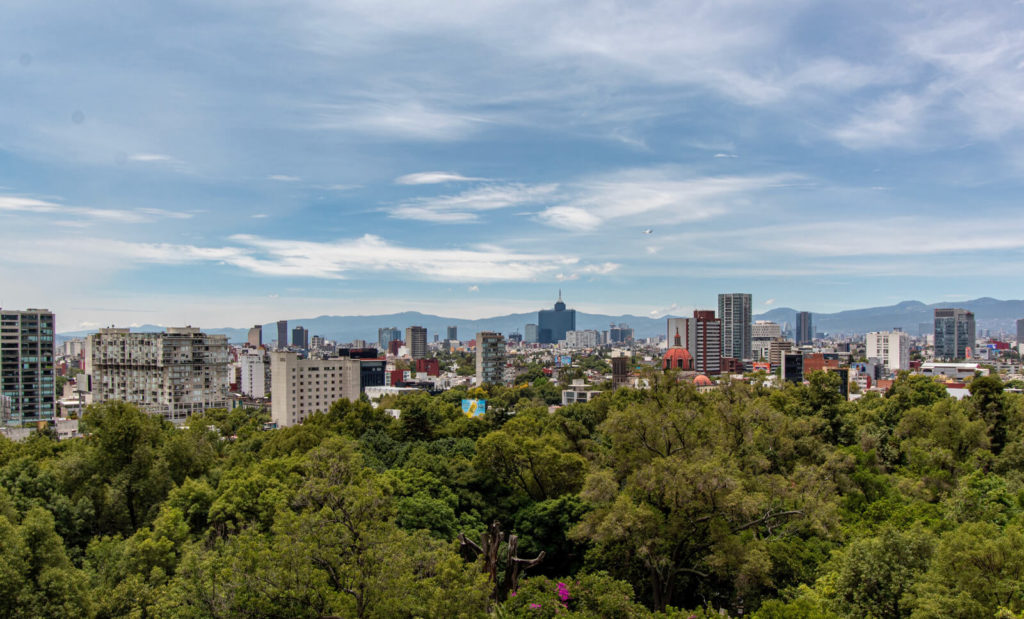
column 734, row 311
column 26, row 365
column 552, row 324
column 955, row 332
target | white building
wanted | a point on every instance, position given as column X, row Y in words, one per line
column 892, row 348
column 490, row 358
column 762, row 334
column 952, row 370
column 582, row 339
column 174, row 373
column 301, row 387
column 254, row 373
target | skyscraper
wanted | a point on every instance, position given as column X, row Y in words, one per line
column 892, row 348
column 255, row 339
column 531, row 334
column 734, row 311
column 300, row 337
column 954, row 333
column 804, row 329
column 1020, row 331
column 386, row 335
column 552, row 324
column 704, row 341
column 490, row 358
column 26, row 365
column 416, row 340
column 453, row 333
column 282, row 334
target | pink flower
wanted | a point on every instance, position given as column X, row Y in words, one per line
column 533, row 605
column 513, row 594
column 563, row 591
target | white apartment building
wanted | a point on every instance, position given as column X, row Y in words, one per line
column 762, row 334
column 174, row 373
column 254, row 373
column 490, row 358
column 892, row 348
column 582, row 339
column 301, row 387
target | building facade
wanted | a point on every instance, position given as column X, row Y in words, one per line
column 734, row 310
column 300, row 337
column 582, row 339
column 704, row 341
column 954, row 333
column 490, row 358
column 892, row 348
column 416, row 340
column 282, row 334
column 531, row 333
column 301, row 387
column 386, row 335
column 804, row 333
column 255, row 339
column 175, row 373
column 26, row 365
column 452, row 333
column 762, row 334
column 254, row 374
column 553, row 324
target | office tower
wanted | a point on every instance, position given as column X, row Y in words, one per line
column 300, row 337
column 552, row 324
column 778, row 348
column 252, row 381
column 416, row 340
column 892, row 348
column 704, row 341
column 174, row 373
column 255, row 339
column 531, row 334
column 282, row 334
column 301, row 387
column 620, row 370
column 620, row 334
column 490, row 358
column 804, row 329
column 762, row 334
column 386, row 335
column 26, row 365
column 453, row 333
column 793, row 367
column 954, row 333
column 1020, row 331
column 734, row 311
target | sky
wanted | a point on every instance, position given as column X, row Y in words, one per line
column 236, row 162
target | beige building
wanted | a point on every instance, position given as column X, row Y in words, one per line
column 175, row 373
column 490, row 358
column 301, row 387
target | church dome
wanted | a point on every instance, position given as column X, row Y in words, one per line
column 702, row 381
column 677, row 359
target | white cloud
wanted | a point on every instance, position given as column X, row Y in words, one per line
column 770, row 302
column 151, row 158
column 474, row 288
column 429, row 178
column 401, row 119
column 32, row 205
column 463, row 207
column 725, row 156
column 284, row 178
column 260, row 216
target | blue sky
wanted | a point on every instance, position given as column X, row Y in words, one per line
column 226, row 163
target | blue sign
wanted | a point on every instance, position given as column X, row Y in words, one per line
column 474, row 408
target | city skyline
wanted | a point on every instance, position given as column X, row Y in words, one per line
column 223, row 165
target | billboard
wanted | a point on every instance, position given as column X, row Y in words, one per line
column 474, row 408
column 762, row 366
column 563, row 361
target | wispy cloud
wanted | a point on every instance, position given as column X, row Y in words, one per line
column 151, row 158
column 465, row 206
column 284, row 178
column 410, row 120
column 35, row 206
column 430, row 178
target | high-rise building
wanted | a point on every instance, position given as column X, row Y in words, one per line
column 453, row 333
column 254, row 373
column 301, row 387
column 300, row 337
column 26, row 365
column 490, row 358
column 386, row 335
column 704, row 341
column 255, row 339
column 552, row 324
column 734, row 311
column 804, row 329
column 531, row 334
column 582, row 339
column 416, row 340
column 777, row 349
column 282, row 334
column 1020, row 331
column 793, row 367
column 892, row 348
column 762, row 334
column 620, row 334
column 174, row 373
column 954, row 333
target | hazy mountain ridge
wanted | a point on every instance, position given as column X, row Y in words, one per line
column 989, row 313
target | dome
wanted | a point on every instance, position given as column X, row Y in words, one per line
column 702, row 381
column 677, row 359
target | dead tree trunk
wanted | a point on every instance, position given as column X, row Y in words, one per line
column 490, row 546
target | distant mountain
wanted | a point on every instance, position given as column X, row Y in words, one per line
column 989, row 314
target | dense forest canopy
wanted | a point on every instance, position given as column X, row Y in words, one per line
column 746, row 501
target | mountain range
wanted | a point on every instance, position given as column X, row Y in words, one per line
column 991, row 314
